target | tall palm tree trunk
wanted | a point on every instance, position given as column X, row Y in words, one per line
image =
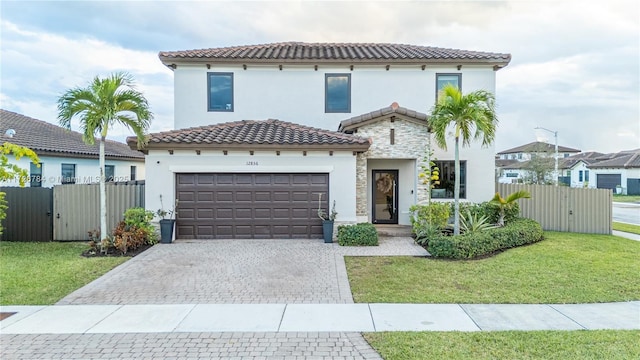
column 103, row 194
column 456, row 190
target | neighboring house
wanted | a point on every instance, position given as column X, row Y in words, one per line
column 511, row 165
column 574, row 170
column 618, row 171
column 64, row 157
column 351, row 127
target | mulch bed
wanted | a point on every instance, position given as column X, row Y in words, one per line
column 115, row 252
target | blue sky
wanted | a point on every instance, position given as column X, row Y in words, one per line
column 575, row 67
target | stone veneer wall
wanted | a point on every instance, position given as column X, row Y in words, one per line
column 411, row 141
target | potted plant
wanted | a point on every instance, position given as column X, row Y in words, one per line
column 327, row 220
column 166, row 225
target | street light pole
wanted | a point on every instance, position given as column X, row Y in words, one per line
column 555, row 134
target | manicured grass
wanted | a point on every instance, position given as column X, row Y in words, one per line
column 626, row 198
column 43, row 273
column 634, row 229
column 564, row 268
column 561, row 345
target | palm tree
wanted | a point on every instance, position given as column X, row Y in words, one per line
column 99, row 106
column 473, row 117
column 507, row 203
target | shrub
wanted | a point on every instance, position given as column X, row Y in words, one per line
column 130, row 234
column 363, row 234
column 428, row 220
column 471, row 223
column 471, row 245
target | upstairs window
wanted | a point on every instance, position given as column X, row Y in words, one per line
column 220, row 90
column 337, row 97
column 68, row 173
column 35, row 179
column 443, row 80
column 109, row 172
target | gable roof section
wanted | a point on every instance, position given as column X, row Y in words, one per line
column 300, row 52
column 586, row 157
column 623, row 159
column 52, row 140
column 537, row 146
column 394, row 109
column 253, row 134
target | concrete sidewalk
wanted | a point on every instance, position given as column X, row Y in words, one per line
column 209, row 318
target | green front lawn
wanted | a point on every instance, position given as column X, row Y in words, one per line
column 634, row 229
column 626, row 198
column 564, row 268
column 43, row 273
column 561, row 345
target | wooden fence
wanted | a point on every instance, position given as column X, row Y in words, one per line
column 66, row 212
column 561, row 208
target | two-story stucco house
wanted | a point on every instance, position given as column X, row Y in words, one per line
column 261, row 132
column 64, row 157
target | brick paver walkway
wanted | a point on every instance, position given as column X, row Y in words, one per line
column 250, row 346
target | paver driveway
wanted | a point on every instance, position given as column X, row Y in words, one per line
column 234, row 271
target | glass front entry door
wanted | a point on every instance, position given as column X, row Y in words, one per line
column 385, row 197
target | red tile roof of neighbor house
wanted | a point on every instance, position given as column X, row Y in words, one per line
column 538, row 146
column 301, row 52
column 253, row 134
column 49, row 139
column 393, row 109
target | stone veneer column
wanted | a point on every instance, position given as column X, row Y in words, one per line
column 361, row 185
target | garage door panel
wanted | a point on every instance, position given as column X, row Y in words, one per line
column 205, row 196
column 205, row 214
column 224, row 196
column 243, row 214
column 186, row 196
column 244, row 196
column 244, row 206
column 224, row 179
column 262, row 196
column 281, row 196
column 224, row 213
column 263, row 213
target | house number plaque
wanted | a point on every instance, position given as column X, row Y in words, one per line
column 252, row 163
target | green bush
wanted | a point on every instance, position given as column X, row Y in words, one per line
column 428, row 220
column 515, row 233
column 488, row 210
column 363, row 234
column 130, row 234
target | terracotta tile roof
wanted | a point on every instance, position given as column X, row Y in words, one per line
column 253, row 134
column 336, row 52
column 538, row 146
column 622, row 159
column 393, row 109
column 45, row 138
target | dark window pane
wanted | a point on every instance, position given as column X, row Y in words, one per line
column 444, row 190
column 109, row 172
column 133, row 173
column 68, row 173
column 338, row 93
column 220, row 92
column 35, row 178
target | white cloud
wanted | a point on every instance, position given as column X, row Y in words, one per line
column 37, row 67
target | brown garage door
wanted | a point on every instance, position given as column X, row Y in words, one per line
column 246, row 206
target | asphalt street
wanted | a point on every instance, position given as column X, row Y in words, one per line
column 626, row 212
